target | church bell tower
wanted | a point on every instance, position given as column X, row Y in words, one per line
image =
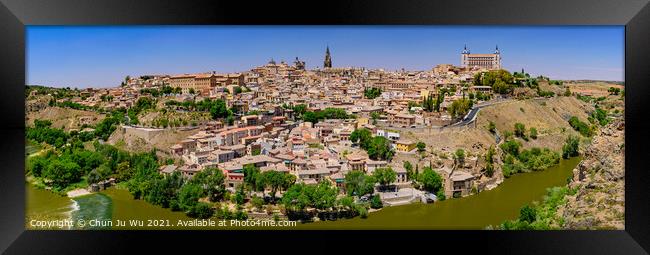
column 328, row 59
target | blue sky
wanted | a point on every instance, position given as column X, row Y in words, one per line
column 101, row 56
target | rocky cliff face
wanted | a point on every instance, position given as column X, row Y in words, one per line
column 599, row 202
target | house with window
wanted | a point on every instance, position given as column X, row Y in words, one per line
column 405, row 145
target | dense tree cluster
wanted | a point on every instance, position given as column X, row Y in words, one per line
column 328, row 113
column 580, row 126
column 384, row 176
column 460, row 107
column 430, row 104
column 599, row 115
column 301, row 196
column 517, row 160
column 56, row 93
column 380, row 149
column 42, row 132
column 357, row 183
column 614, row 90
column 431, row 181
column 501, row 81
column 108, row 125
column 143, row 103
column 361, row 136
column 372, row 93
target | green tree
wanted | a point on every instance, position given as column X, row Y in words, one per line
column 380, row 149
column 37, row 164
column 614, row 90
column 459, row 155
column 570, row 147
column 275, row 180
column 189, row 196
column 375, row 202
column 600, row 115
column 62, row 172
column 520, row 130
column 501, row 87
column 237, row 90
column 219, row 110
column 527, row 214
column 201, row 210
column 441, row 195
column 459, row 107
column 374, row 116
column 384, row 176
column 357, row 183
column 511, row 147
column 300, row 109
column 362, row 136
column 211, row 181
column 428, row 104
column 253, row 178
column 298, row 197
column 239, row 195
column 230, row 120
column 123, row 171
column 257, row 202
column 533, row 133
column 489, row 161
column 582, row 127
column 99, row 174
column 372, row 93
column 409, row 170
column 431, row 180
column 324, row 196
column 433, row 104
column 421, row 146
column 492, row 127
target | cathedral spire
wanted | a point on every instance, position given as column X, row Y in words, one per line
column 328, row 58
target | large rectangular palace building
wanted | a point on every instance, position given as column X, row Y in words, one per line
column 487, row 61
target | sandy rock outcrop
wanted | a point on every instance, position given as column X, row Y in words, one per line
column 599, row 202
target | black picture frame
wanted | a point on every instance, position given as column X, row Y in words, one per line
column 633, row 14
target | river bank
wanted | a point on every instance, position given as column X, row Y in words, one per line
column 474, row 212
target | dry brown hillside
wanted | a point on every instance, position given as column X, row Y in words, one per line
column 595, row 89
column 549, row 116
column 153, row 118
column 137, row 142
column 64, row 117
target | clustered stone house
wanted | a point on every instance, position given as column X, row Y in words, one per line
column 312, row 152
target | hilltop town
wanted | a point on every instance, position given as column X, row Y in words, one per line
column 448, row 132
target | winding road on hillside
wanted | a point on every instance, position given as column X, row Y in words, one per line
column 469, row 118
column 471, row 115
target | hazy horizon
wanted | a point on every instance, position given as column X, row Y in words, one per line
column 101, row 56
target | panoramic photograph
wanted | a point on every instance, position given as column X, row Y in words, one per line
column 324, row 127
